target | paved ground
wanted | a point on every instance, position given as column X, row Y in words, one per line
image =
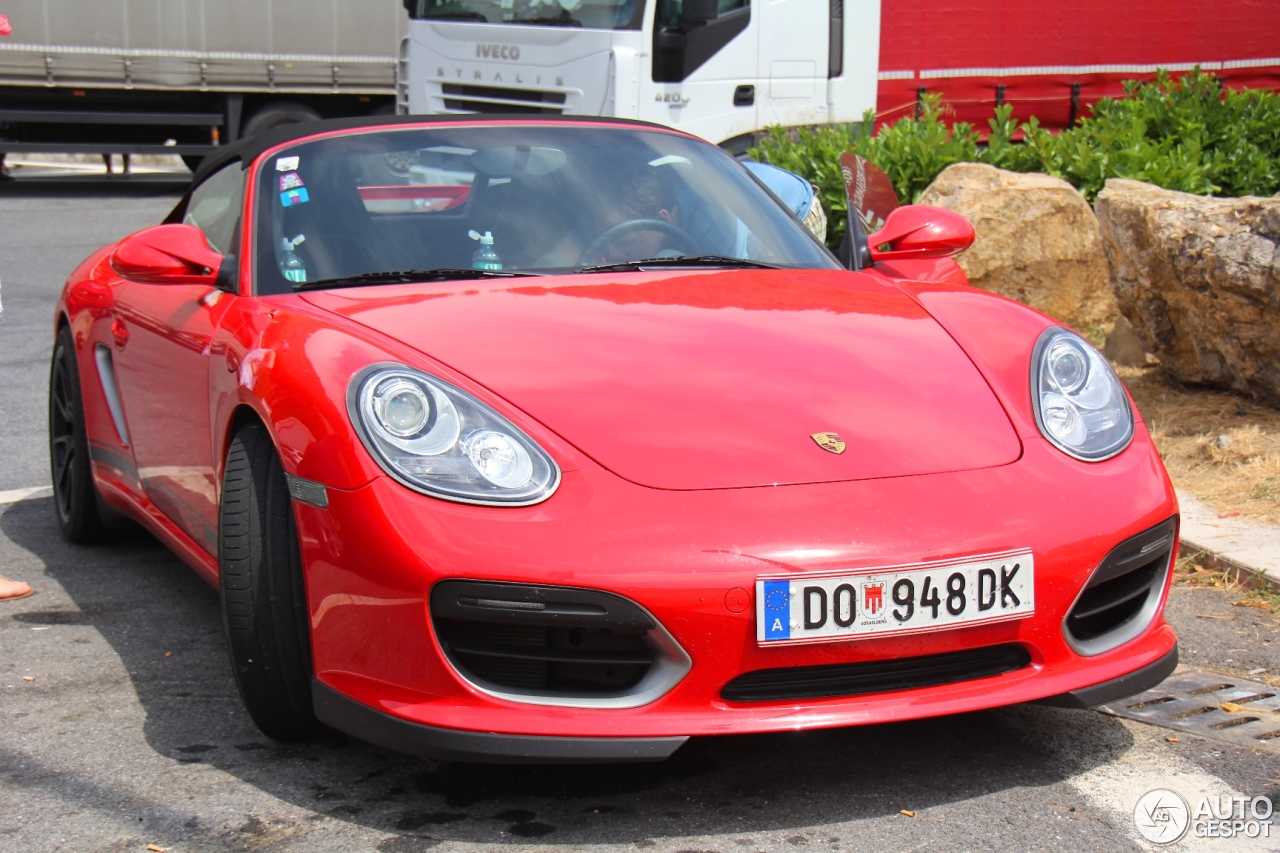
column 46, row 228
column 129, row 731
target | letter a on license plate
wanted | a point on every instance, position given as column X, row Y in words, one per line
column 895, row 599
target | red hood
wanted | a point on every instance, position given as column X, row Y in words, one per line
column 711, row 379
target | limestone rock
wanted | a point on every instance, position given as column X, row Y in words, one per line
column 1037, row 240
column 1199, row 279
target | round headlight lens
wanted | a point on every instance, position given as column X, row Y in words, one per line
column 1068, row 365
column 1079, row 402
column 410, row 414
column 499, row 459
column 1062, row 420
column 402, row 407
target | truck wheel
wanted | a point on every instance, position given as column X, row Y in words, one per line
column 264, row 606
column 75, row 497
column 278, row 115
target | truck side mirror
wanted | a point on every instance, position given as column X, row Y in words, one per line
column 700, row 11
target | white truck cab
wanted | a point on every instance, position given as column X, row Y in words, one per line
column 721, row 69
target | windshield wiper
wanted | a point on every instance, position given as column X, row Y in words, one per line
column 405, row 277
column 688, row 261
column 457, row 16
column 547, row 22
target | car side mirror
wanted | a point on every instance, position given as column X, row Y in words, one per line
column 918, row 231
column 167, row 254
column 700, row 11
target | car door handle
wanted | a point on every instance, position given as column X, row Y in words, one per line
column 119, row 333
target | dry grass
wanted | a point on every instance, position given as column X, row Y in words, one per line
column 1220, row 447
column 1197, row 569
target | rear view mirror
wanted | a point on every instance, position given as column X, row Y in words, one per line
column 167, row 254
column 918, row 231
column 696, row 11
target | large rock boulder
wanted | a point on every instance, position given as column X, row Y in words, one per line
column 1199, row 280
column 1037, row 240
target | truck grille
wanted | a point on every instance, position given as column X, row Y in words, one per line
column 496, row 99
column 555, row 645
column 1122, row 594
column 877, row 676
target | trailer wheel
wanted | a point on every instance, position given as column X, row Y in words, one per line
column 277, row 115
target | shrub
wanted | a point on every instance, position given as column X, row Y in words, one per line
column 1183, row 133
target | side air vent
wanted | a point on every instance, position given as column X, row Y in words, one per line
column 110, row 390
column 555, row 645
column 495, row 99
column 1121, row 597
column 877, row 676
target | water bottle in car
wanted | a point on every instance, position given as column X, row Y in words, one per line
column 485, row 257
column 290, row 264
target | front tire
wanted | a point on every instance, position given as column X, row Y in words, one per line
column 264, row 603
column 75, row 497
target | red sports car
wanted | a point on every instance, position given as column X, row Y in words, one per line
column 539, row 439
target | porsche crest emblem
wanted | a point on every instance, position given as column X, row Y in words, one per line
column 829, row 441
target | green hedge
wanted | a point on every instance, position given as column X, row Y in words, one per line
column 1183, row 133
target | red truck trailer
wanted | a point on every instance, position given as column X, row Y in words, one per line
column 1055, row 60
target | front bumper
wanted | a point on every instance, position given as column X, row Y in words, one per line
column 374, row 555
column 347, row 715
column 441, row 744
column 1117, row 688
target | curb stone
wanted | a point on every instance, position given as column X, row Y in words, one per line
column 1234, row 543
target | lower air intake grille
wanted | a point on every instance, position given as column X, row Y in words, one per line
column 1122, row 594
column 495, row 99
column 555, row 645
column 547, row 657
column 880, row 676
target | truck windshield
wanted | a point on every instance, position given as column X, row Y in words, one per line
column 592, row 14
column 550, row 199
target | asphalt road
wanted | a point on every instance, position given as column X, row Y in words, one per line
column 120, row 726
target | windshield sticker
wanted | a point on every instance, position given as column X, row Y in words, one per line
column 290, row 181
column 286, row 164
column 292, row 197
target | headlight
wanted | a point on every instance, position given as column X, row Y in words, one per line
column 1079, row 402
column 441, row 441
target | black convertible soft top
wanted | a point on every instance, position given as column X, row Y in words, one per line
column 247, row 149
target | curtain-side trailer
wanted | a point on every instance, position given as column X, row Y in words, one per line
column 182, row 76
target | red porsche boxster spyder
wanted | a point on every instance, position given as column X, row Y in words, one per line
column 555, row 440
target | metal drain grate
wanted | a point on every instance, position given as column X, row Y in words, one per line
column 1193, row 702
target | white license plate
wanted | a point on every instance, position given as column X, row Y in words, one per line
column 896, row 599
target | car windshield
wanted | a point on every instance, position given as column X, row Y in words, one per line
column 594, row 14
column 550, row 199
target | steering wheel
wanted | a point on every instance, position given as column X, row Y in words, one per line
column 682, row 240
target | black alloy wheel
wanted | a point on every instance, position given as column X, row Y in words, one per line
column 75, row 497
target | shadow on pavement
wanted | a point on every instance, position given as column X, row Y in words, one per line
column 145, row 603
